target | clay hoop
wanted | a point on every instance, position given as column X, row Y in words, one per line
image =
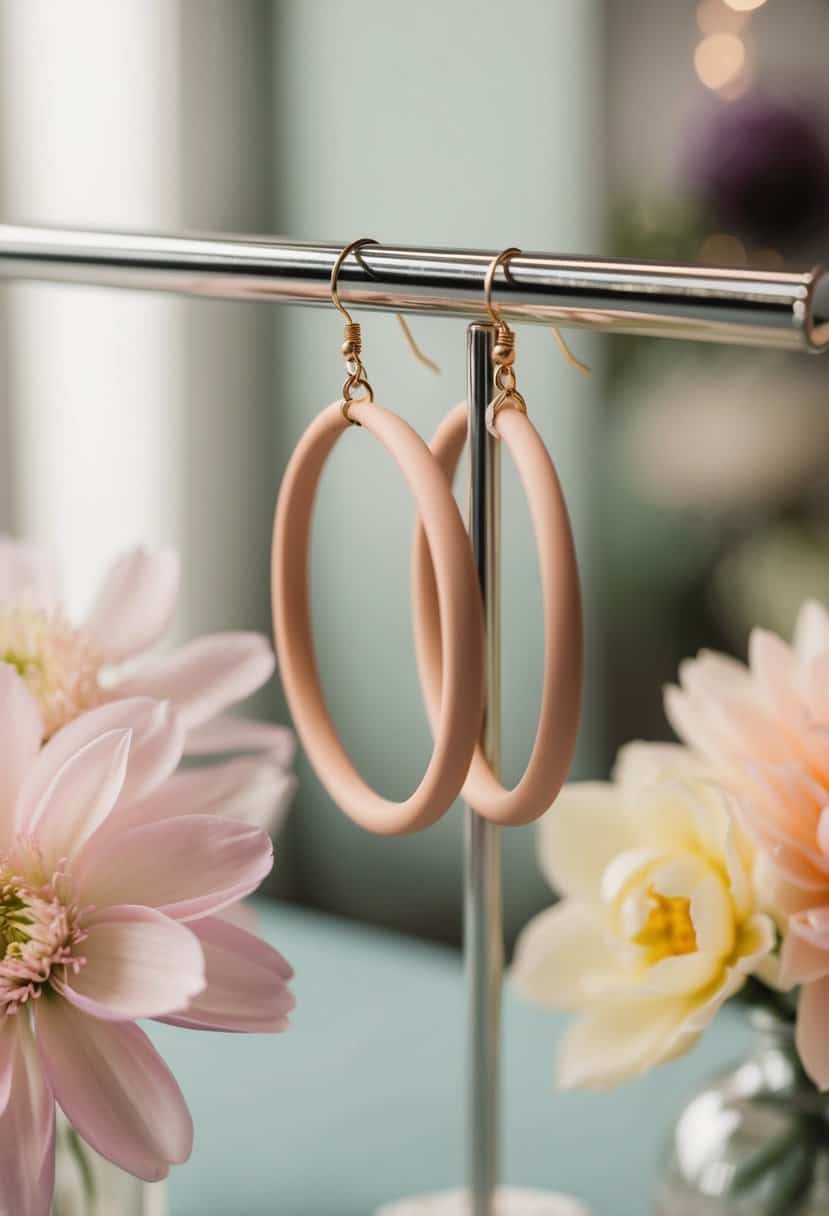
column 459, row 708
column 555, row 739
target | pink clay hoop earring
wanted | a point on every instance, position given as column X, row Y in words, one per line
column 458, row 614
column 555, row 739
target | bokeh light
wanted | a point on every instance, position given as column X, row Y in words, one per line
column 719, row 60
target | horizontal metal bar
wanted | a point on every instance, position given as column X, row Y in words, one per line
column 755, row 307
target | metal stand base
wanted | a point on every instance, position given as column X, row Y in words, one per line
column 509, row 1201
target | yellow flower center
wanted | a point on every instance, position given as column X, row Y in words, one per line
column 58, row 663
column 669, row 929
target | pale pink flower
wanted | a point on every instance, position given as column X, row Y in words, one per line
column 71, row 668
column 764, row 731
column 109, row 894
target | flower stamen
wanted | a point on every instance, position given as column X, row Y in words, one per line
column 39, row 932
column 59, row 663
column 669, row 930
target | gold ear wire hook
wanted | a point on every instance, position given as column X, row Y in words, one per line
column 352, row 334
column 352, row 342
column 575, row 363
column 414, row 348
column 503, row 329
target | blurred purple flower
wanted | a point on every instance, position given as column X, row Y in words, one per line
column 760, row 166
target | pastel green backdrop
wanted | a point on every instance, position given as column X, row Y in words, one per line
column 443, row 124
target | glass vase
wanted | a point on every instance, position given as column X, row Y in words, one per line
column 87, row 1185
column 754, row 1141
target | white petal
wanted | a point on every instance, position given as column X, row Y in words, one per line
column 584, row 830
column 639, row 765
column 620, row 1040
column 681, row 974
column 561, row 956
column 712, row 915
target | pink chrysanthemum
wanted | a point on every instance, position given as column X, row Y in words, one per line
column 111, row 876
column 70, row 669
column 764, row 731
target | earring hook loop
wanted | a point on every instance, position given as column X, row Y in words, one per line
column 501, row 259
column 351, row 247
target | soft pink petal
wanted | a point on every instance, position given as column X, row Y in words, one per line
column 187, row 867
column 243, row 915
column 115, row 1090
column 135, row 603
column 811, row 634
column 803, row 959
column 157, row 741
column 812, row 1036
column 774, row 669
column 691, row 724
column 8, row 1045
column 25, row 571
column 207, row 676
column 823, row 831
column 21, row 733
column 247, row 983
column 82, row 794
column 228, row 733
column 27, row 1126
column 139, row 964
column 251, row 789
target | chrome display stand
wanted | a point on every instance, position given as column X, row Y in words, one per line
column 772, row 309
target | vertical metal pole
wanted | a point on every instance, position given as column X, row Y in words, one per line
column 483, row 914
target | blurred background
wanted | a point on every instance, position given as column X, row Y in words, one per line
column 667, row 129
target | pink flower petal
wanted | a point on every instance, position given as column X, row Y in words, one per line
column 803, row 957
column 228, row 733
column 80, row 797
column 157, row 741
column 812, row 1039
column 115, row 1090
column 139, row 964
column 247, row 983
column 25, row 571
column 811, row 633
column 21, row 730
column 251, row 789
column 774, row 667
column 135, row 603
column 27, row 1125
column 823, row 831
column 187, row 867
column 207, row 676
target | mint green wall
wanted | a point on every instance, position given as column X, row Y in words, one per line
column 463, row 123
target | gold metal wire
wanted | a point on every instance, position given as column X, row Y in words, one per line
column 414, row 348
column 352, row 345
column 505, row 336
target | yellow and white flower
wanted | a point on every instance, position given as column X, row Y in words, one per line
column 659, row 922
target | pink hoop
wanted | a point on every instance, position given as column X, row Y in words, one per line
column 561, row 697
column 457, row 721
